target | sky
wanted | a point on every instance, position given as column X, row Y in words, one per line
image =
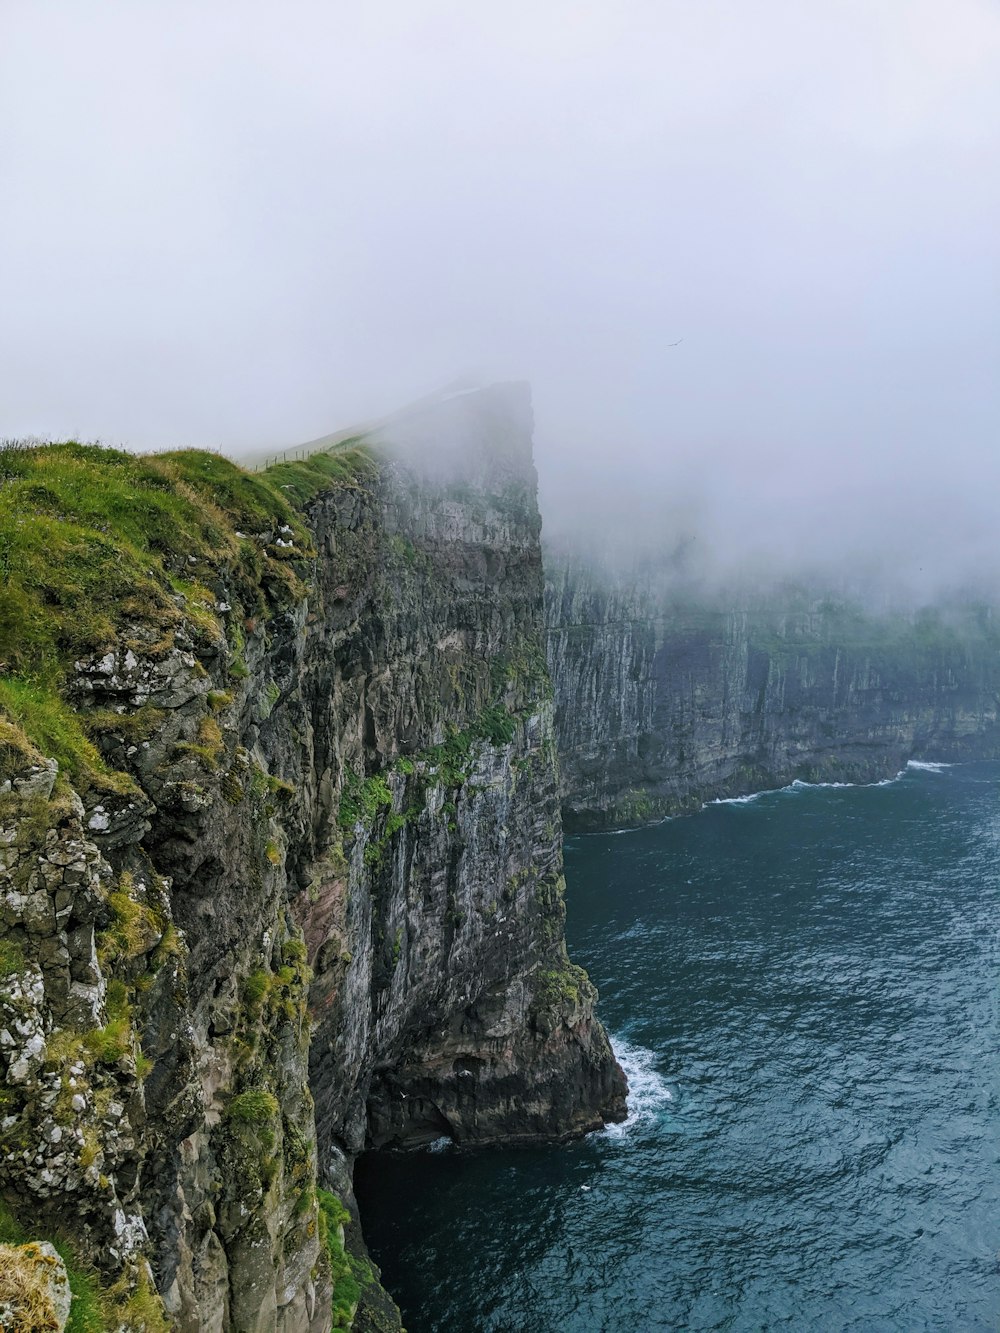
column 747, row 253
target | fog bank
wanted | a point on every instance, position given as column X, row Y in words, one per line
column 748, row 255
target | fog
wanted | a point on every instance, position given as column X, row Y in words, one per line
column 746, row 253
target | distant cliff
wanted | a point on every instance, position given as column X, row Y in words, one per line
column 665, row 699
column 280, row 856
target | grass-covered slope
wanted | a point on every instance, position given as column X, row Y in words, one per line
column 96, row 542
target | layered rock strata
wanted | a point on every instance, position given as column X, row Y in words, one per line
column 667, row 698
column 305, row 898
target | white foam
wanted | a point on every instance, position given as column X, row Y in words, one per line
column 441, row 1145
column 648, row 1091
column 799, row 785
column 743, row 800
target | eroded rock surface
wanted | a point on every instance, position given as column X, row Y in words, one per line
column 314, row 905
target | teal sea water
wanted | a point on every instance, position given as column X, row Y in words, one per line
column 803, row 988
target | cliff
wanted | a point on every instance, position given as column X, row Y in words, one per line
column 666, row 698
column 280, row 856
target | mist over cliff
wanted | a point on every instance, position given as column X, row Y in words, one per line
column 287, row 753
column 890, row 535
column 747, row 255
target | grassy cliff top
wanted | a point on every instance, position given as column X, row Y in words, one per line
column 102, row 549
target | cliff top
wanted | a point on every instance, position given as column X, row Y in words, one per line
column 99, row 547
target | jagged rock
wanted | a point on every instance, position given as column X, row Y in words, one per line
column 37, row 781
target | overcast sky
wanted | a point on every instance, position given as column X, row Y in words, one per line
column 244, row 224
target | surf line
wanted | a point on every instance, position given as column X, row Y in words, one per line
column 917, row 765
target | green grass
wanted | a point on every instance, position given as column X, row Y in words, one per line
column 349, row 1274
column 107, row 1045
column 11, row 959
column 362, row 799
column 255, row 1113
column 88, row 1312
column 496, row 725
column 562, row 985
column 302, row 481
column 95, row 541
column 16, row 751
column 33, row 710
column 255, row 1107
column 134, row 928
column 133, row 728
column 249, row 502
column 256, row 987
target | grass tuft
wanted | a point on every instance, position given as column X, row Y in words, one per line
column 349, row 1274
column 255, row 1108
column 89, row 1308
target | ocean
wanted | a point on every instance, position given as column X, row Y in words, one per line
column 803, row 989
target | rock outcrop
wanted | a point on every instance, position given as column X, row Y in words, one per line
column 667, row 698
column 300, row 892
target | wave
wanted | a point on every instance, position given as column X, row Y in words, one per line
column 648, row 1091
column 442, row 1144
column 799, row 785
column 745, row 800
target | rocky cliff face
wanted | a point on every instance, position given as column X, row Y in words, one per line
column 300, row 892
column 432, row 869
column 665, row 699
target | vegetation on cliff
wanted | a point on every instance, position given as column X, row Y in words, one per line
column 160, row 569
column 350, row 1274
column 305, row 709
column 96, row 543
column 95, row 1306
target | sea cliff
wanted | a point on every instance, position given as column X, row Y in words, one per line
column 280, row 849
column 668, row 696
column 284, row 763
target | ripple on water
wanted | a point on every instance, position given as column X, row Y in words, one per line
column 806, row 988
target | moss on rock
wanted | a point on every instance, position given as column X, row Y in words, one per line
column 99, row 545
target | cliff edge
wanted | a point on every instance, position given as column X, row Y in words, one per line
column 280, row 855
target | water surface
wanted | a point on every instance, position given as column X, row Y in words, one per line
column 803, row 987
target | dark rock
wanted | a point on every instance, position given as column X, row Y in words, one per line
column 665, row 699
column 379, row 780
